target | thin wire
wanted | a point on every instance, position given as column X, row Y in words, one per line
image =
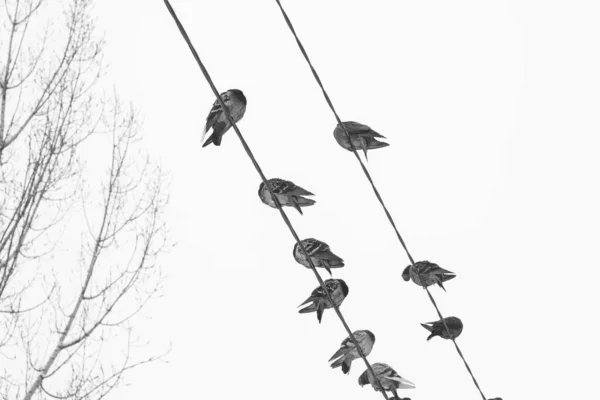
column 368, row 175
column 264, row 179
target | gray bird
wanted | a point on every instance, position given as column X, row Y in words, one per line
column 437, row 328
column 235, row 101
column 389, row 379
column 348, row 351
column 287, row 193
column 337, row 289
column 361, row 137
column 319, row 253
column 429, row 272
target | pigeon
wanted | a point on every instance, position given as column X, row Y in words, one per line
column 361, row 137
column 429, row 272
column 348, row 352
column 319, row 253
column 287, row 193
column 337, row 289
column 235, row 101
column 437, row 328
column 388, row 378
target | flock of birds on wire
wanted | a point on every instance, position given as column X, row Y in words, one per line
column 423, row 273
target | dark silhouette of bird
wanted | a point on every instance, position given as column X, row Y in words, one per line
column 389, row 379
column 426, row 273
column 337, row 289
column 359, row 137
column 437, row 328
column 235, row 101
column 286, row 192
column 348, row 351
column 319, row 253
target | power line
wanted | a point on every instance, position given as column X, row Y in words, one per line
column 264, row 179
column 368, row 175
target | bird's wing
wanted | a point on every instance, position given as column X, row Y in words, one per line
column 356, row 128
column 439, row 270
column 319, row 292
column 361, row 130
column 406, row 273
column 347, row 343
column 213, row 116
column 328, row 255
column 426, row 326
column 341, row 351
column 294, row 190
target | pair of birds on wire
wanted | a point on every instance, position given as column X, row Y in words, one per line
column 388, row 378
column 358, row 137
column 366, row 339
column 322, row 257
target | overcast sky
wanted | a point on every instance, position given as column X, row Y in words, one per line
column 491, row 112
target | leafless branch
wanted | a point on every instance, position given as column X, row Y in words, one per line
column 80, row 211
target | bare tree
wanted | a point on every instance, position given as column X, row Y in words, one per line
column 80, row 210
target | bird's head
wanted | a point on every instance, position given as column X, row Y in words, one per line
column 260, row 189
column 238, row 94
column 371, row 336
column 363, row 379
column 454, row 322
column 406, row 274
column 344, row 287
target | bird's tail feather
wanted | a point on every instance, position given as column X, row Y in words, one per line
column 218, row 130
column 346, row 366
column 337, row 354
column 297, row 206
column 376, row 144
column 338, row 362
column 440, row 284
column 206, row 128
column 310, row 299
column 429, row 328
column 447, row 277
column 320, row 309
column 208, row 141
column 304, row 202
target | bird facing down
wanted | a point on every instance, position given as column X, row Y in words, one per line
column 437, row 328
column 361, row 137
column 235, row 101
column 337, row 289
column 389, row 379
column 319, row 253
column 286, row 192
column 348, row 351
column 430, row 273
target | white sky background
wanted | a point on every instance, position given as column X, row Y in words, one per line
column 491, row 110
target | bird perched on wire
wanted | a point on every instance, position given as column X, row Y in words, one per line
column 319, row 253
column 235, row 101
column 437, row 328
column 286, row 192
column 337, row 289
column 361, row 137
column 348, row 351
column 429, row 272
column 389, row 379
